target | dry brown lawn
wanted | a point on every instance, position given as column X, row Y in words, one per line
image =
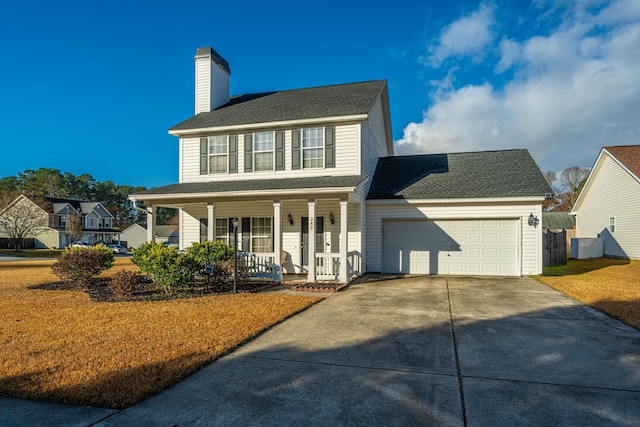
column 61, row 346
column 609, row 285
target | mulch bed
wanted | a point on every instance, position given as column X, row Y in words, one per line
column 98, row 289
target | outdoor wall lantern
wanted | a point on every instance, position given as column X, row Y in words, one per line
column 290, row 218
column 332, row 219
column 533, row 221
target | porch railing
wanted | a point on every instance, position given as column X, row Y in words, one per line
column 327, row 266
column 259, row 264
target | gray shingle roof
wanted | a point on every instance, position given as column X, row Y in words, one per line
column 297, row 104
column 252, row 185
column 508, row 173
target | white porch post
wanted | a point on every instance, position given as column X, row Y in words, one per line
column 311, row 250
column 277, row 241
column 211, row 221
column 151, row 224
column 344, row 241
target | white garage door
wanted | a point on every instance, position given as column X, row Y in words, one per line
column 464, row 247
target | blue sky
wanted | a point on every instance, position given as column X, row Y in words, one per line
column 92, row 87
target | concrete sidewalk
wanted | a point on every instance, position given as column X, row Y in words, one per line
column 412, row 351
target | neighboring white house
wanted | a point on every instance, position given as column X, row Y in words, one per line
column 136, row 234
column 97, row 222
column 609, row 204
column 311, row 177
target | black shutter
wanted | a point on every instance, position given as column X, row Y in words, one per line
column 279, row 150
column 329, row 147
column 295, row 149
column 246, row 234
column 248, row 152
column 233, row 153
column 204, row 155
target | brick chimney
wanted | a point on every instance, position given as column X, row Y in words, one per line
column 212, row 80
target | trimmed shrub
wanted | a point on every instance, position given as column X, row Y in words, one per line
column 209, row 252
column 125, row 282
column 167, row 268
column 79, row 265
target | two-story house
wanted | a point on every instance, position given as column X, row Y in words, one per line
column 97, row 221
column 310, row 178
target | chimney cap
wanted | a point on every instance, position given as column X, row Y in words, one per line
column 209, row 52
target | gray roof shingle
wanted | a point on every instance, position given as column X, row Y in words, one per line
column 297, row 104
column 507, row 173
column 252, row 185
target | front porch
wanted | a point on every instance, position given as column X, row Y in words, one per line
column 276, row 237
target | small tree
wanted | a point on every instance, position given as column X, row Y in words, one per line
column 572, row 179
column 21, row 218
column 73, row 227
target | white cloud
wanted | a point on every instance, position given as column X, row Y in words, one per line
column 574, row 91
column 465, row 37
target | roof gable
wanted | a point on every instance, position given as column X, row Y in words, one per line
column 298, row 104
column 628, row 156
column 487, row 174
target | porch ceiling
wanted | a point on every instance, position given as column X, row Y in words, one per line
column 283, row 188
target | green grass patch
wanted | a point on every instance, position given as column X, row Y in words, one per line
column 581, row 266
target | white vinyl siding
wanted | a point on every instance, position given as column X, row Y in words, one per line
column 374, row 144
column 212, row 85
column 611, row 193
column 530, row 238
column 347, row 140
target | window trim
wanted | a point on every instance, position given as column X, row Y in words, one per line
column 256, row 152
column 222, row 237
column 304, row 149
column 210, row 156
column 269, row 235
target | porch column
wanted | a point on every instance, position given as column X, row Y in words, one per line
column 151, row 224
column 311, row 250
column 277, row 241
column 211, row 221
column 344, row 241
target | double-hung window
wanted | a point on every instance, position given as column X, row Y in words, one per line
column 261, row 235
column 312, row 148
column 612, row 224
column 218, row 154
column 222, row 230
column 263, row 148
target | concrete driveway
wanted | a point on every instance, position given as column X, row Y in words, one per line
column 410, row 351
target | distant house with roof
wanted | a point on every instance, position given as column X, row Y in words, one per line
column 309, row 180
column 609, row 204
column 97, row 221
column 136, row 234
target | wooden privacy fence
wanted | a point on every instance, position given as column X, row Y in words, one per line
column 6, row 243
column 554, row 247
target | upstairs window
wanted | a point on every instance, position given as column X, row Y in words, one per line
column 312, row 148
column 612, row 224
column 218, row 154
column 263, row 148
